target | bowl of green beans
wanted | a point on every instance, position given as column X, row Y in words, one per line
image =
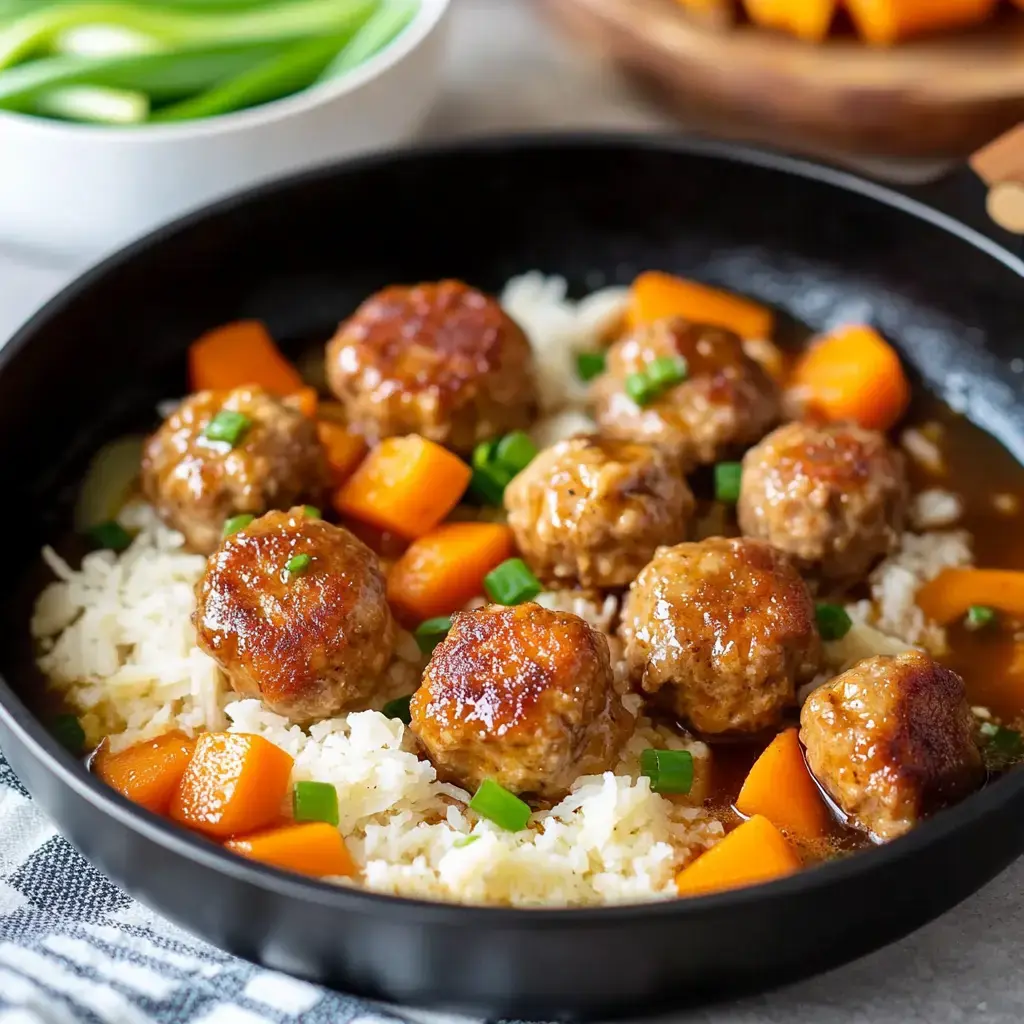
column 116, row 115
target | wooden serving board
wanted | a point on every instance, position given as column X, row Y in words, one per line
column 938, row 98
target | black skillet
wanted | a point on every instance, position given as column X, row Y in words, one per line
column 820, row 244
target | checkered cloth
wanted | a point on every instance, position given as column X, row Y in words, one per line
column 73, row 947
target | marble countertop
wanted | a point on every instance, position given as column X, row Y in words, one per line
column 504, row 69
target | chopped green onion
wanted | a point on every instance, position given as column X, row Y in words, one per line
column 110, row 536
column 670, row 771
column 68, row 731
column 833, row 621
column 91, row 104
column 667, row 371
column 298, row 564
column 227, row 425
column 484, row 454
column 236, row 523
column 1002, row 744
column 640, row 389
column 978, row 616
column 315, row 801
column 312, row 512
column 430, row 633
column 590, row 365
column 466, row 841
column 511, row 583
column 728, row 476
column 497, row 804
column 389, row 19
column 487, row 488
column 515, row 451
column 398, row 708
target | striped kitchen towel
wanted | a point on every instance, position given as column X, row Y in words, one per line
column 73, row 947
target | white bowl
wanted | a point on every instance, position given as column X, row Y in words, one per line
column 81, row 190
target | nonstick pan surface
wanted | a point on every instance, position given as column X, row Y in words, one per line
column 822, row 246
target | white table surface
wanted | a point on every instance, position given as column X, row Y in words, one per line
column 509, row 72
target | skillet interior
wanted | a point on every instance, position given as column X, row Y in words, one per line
column 300, row 256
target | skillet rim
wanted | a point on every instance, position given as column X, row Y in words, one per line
column 41, row 746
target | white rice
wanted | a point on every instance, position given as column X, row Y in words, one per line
column 934, row 509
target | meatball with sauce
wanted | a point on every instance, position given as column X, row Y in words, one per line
column 293, row 610
column 726, row 402
column 892, row 740
column 225, row 453
column 592, row 511
column 834, row 497
column 523, row 696
column 721, row 633
column 442, row 360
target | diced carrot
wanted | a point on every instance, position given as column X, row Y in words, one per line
column 305, row 400
column 806, row 19
column 953, row 591
column 884, row 22
column 754, row 852
column 655, row 295
column 241, row 353
column 780, row 787
column 852, row 374
column 444, row 569
column 406, row 485
column 315, row 848
column 234, row 784
column 344, row 449
column 147, row 773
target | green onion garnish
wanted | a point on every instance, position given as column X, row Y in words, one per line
column 312, row 512
column 670, row 771
column 315, row 801
column 430, row 633
column 640, row 389
column 667, row 371
column 298, row 564
column 466, row 841
column 511, row 583
column 236, row 523
column 515, row 451
column 833, row 622
column 497, row 804
column 590, row 365
column 979, row 616
column 1005, row 744
column 228, row 426
column 111, row 536
column 727, row 482
column 398, row 708
column 487, row 488
column 68, row 731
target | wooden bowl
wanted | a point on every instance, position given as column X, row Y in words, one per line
column 937, row 98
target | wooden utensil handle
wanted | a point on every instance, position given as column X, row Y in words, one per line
column 1000, row 165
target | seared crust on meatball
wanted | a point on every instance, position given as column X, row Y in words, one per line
column 721, row 632
column 523, row 696
column 592, row 511
column 726, row 402
column 310, row 642
column 892, row 740
column 834, row 497
column 442, row 360
column 196, row 483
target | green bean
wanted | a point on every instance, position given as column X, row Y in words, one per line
column 93, row 105
column 390, row 18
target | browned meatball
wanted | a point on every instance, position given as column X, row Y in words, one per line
column 442, row 360
column 892, row 740
column 834, row 497
column 310, row 641
column 722, row 632
column 523, row 696
column 197, row 483
column 726, row 402
column 592, row 511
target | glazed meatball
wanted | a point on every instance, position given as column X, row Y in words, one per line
column 721, row 633
column 834, row 497
column 197, row 482
column 592, row 511
column 892, row 740
column 523, row 696
column 442, row 360
column 726, row 402
column 293, row 610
